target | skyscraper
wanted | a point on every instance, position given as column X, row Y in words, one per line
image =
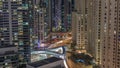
column 52, row 18
column 110, row 20
column 105, row 33
column 61, row 15
column 8, row 22
column 79, row 24
column 25, row 23
column 42, row 22
column 102, row 36
column 8, row 56
column 86, row 27
column 94, row 46
column 16, row 25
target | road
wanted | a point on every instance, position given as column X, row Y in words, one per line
column 61, row 43
column 71, row 64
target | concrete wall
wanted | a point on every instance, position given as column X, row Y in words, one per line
column 3, row 50
column 50, row 65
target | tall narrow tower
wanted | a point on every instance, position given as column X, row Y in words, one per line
column 79, row 23
column 86, row 27
column 110, row 24
column 16, row 25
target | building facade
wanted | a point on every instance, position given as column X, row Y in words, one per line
column 61, row 15
column 94, row 30
column 79, row 23
column 8, row 56
column 16, row 26
column 51, row 19
column 86, row 24
column 110, row 33
column 42, row 22
column 101, row 19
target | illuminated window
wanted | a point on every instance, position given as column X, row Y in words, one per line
column 20, row 20
column 14, row 0
column 19, row 16
column 20, row 42
column 20, row 29
column 6, row 63
column 15, row 13
column 19, row 7
column 25, row 23
column 19, row 0
column 4, row 28
column 2, row 38
column 98, row 40
column 15, row 38
column 16, row 43
column 15, row 33
column 1, row 5
column 25, row 6
column 114, row 32
column 21, row 33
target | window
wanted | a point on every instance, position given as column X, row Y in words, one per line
column 14, row 0
column 20, row 42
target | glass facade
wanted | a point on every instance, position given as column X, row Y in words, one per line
column 61, row 15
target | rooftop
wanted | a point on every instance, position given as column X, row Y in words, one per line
column 7, row 46
column 44, row 62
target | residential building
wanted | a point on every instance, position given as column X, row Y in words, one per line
column 110, row 18
column 86, row 27
column 61, row 15
column 16, row 26
column 52, row 18
column 97, row 29
column 79, row 24
column 8, row 56
column 94, row 30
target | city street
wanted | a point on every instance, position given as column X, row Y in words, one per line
column 61, row 43
column 72, row 64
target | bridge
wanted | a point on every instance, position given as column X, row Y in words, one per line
column 60, row 43
column 57, row 52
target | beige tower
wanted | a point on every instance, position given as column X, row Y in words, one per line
column 103, row 32
column 79, row 24
column 86, row 27
column 96, row 28
column 110, row 24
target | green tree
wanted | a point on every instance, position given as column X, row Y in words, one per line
column 73, row 46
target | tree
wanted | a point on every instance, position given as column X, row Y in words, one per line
column 73, row 46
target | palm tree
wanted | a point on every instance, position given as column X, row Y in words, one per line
column 73, row 46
